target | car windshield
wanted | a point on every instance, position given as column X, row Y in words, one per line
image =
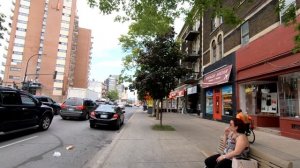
column 73, row 102
column 106, row 108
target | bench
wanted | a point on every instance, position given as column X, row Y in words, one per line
column 264, row 160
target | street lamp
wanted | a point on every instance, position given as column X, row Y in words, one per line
column 27, row 66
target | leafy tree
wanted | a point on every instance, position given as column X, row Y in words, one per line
column 158, row 67
column 113, row 95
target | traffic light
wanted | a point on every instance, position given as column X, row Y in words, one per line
column 54, row 75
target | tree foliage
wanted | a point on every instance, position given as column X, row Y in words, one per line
column 158, row 67
column 113, row 95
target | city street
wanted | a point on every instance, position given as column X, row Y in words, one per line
column 67, row 144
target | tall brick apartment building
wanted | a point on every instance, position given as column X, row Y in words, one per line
column 45, row 40
column 249, row 66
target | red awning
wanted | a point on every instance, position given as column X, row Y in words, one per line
column 216, row 78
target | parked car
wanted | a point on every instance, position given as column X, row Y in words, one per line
column 49, row 102
column 21, row 111
column 107, row 115
column 75, row 107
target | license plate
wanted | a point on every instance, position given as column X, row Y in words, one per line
column 103, row 116
column 70, row 109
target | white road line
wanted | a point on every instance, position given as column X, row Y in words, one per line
column 17, row 142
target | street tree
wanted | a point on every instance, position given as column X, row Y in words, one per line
column 158, row 68
column 113, row 95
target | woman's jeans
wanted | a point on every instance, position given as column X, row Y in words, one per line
column 211, row 162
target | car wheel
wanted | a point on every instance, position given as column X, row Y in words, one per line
column 118, row 125
column 45, row 122
column 92, row 125
column 86, row 116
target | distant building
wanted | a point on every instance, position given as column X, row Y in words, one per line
column 97, row 87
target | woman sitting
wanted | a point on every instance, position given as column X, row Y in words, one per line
column 237, row 145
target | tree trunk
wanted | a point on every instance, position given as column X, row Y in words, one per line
column 160, row 112
column 157, row 110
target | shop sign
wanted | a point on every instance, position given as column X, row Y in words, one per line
column 180, row 93
column 192, row 90
column 172, row 94
column 216, row 78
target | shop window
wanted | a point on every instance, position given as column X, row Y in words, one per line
column 245, row 33
column 227, row 100
column 209, row 101
column 289, row 95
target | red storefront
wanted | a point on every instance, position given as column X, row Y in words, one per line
column 268, row 81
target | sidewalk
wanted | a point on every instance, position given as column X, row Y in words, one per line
column 138, row 146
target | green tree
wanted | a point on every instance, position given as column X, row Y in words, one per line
column 158, row 67
column 113, row 95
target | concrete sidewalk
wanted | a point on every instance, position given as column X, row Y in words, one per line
column 138, row 146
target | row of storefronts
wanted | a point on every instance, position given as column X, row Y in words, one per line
column 260, row 78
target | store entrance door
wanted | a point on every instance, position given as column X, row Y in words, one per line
column 217, row 110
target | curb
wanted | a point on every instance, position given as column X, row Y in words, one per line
column 99, row 160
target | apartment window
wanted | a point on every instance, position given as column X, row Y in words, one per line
column 22, row 21
column 67, row 7
column 23, row 14
column 16, row 61
column 216, row 22
column 19, row 45
column 60, row 65
column 213, row 51
column 288, row 10
column 21, row 29
column 14, row 77
column 64, row 14
column 62, row 43
column 56, row 88
column 65, row 21
column 64, row 28
column 61, row 50
column 24, row 6
column 15, row 69
column 58, row 81
column 65, row 36
column 220, row 46
column 61, row 58
column 19, row 37
column 245, row 33
column 17, row 52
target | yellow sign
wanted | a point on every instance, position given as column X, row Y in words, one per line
column 149, row 102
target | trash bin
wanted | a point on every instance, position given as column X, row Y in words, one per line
column 150, row 109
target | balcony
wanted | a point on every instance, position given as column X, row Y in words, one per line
column 191, row 35
column 190, row 78
column 192, row 57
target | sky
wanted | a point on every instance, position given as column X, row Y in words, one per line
column 107, row 53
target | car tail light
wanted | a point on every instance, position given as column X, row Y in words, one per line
column 93, row 114
column 63, row 106
column 115, row 116
column 79, row 107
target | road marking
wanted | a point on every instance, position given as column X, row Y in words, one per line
column 18, row 142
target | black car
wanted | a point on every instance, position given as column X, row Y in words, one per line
column 107, row 114
column 20, row 111
column 75, row 107
column 49, row 102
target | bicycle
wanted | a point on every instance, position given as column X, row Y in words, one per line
column 250, row 133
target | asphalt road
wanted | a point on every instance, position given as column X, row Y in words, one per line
column 48, row 149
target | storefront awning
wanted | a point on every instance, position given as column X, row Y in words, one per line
column 216, row 78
